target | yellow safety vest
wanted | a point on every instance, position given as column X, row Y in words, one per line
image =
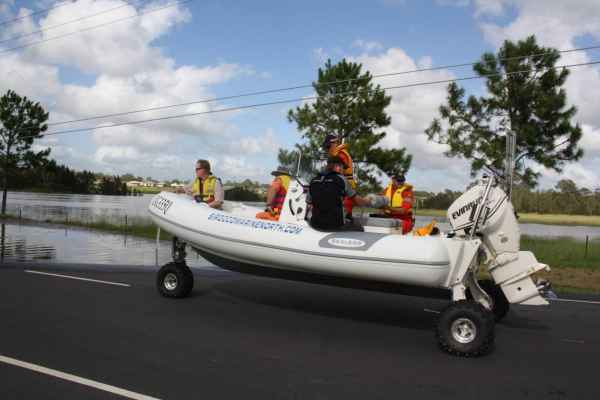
column 397, row 198
column 205, row 188
column 285, row 181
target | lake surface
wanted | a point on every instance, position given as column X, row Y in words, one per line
column 133, row 209
column 52, row 244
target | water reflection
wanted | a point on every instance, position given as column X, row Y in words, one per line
column 31, row 243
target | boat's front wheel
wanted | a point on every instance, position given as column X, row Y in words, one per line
column 175, row 280
column 466, row 329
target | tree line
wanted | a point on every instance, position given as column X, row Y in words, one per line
column 49, row 176
column 564, row 198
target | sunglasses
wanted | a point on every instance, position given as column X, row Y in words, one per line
column 199, row 168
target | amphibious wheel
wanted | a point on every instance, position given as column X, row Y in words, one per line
column 465, row 329
column 501, row 304
column 175, row 280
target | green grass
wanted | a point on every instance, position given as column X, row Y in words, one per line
column 533, row 218
column 564, row 252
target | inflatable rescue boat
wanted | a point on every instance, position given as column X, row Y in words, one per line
column 485, row 234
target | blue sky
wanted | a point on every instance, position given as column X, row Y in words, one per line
column 204, row 49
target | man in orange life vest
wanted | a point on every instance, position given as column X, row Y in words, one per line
column 276, row 195
column 401, row 198
column 332, row 144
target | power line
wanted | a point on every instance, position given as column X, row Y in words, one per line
column 304, row 86
column 257, row 105
column 95, row 26
column 36, row 13
column 127, row 3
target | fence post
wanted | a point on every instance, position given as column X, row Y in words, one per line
column 125, row 221
column 19, row 212
column 587, row 239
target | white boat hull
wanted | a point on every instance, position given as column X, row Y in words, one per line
column 394, row 258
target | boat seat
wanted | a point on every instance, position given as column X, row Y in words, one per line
column 381, row 222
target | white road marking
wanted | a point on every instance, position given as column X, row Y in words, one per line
column 573, row 341
column 431, row 311
column 577, row 301
column 77, row 278
column 76, row 379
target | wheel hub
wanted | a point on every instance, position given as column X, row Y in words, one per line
column 464, row 330
column 170, row 281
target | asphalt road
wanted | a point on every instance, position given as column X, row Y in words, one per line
column 245, row 337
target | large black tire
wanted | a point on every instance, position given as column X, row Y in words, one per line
column 501, row 304
column 174, row 280
column 465, row 329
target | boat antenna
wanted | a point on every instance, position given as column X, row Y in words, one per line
column 511, row 141
column 299, row 161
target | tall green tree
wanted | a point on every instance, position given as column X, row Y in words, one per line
column 21, row 122
column 350, row 106
column 525, row 95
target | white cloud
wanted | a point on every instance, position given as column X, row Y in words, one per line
column 453, row 3
column 367, row 45
column 120, row 48
column 28, row 78
column 117, row 154
column 494, row 8
column 320, row 55
column 239, row 168
column 412, row 110
column 129, row 74
column 265, row 144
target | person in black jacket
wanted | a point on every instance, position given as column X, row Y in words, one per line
column 326, row 194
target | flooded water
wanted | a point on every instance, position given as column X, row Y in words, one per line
column 49, row 243
column 53, row 244
column 133, row 209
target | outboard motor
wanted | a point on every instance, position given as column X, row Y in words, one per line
column 499, row 230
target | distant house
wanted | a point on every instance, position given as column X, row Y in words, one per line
column 134, row 184
column 177, row 185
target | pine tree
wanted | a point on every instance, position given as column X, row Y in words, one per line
column 351, row 107
column 21, row 122
column 524, row 95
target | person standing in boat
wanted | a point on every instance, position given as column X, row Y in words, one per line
column 326, row 194
column 401, row 199
column 206, row 188
column 335, row 148
column 276, row 195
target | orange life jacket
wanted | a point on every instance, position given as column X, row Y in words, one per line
column 341, row 151
column 279, row 198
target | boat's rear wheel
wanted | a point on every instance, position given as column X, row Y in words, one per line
column 465, row 329
column 175, row 280
column 501, row 305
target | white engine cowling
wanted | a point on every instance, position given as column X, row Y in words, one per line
column 497, row 223
column 499, row 229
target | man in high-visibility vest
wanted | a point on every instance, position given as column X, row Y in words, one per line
column 206, row 188
column 335, row 148
column 401, row 198
column 276, row 195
